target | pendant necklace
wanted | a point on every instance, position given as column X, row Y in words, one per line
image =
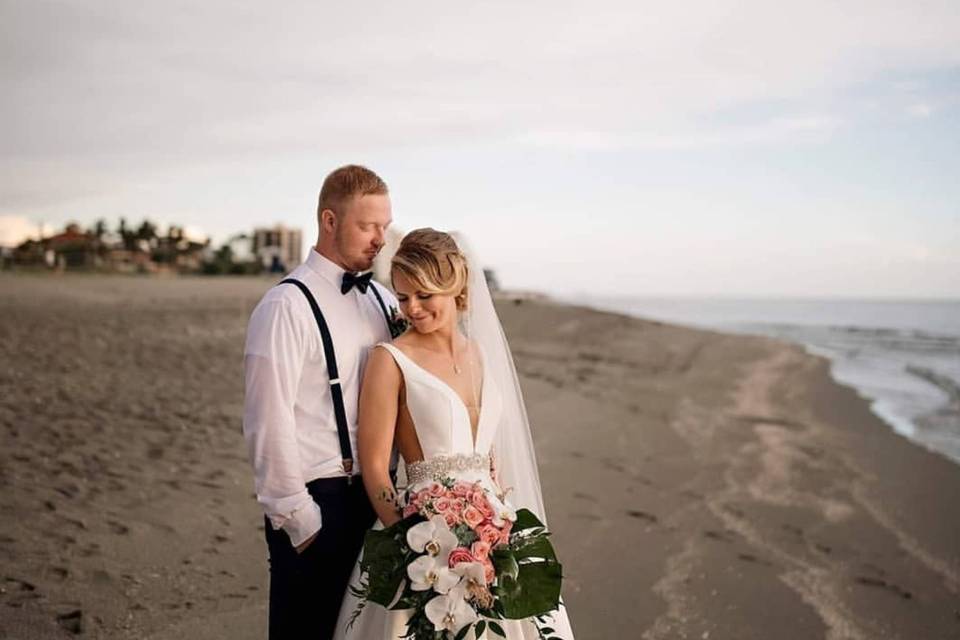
column 456, row 366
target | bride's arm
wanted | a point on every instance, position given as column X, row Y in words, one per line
column 494, row 475
column 379, row 405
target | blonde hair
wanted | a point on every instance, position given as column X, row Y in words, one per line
column 346, row 182
column 432, row 261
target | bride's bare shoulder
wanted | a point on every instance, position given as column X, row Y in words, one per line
column 407, row 343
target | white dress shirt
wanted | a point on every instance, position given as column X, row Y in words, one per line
column 288, row 419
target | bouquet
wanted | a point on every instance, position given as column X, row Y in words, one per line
column 461, row 558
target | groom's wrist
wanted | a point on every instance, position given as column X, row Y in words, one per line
column 303, row 524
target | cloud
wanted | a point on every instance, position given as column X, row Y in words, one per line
column 174, row 83
column 231, row 112
column 780, row 130
column 15, row 229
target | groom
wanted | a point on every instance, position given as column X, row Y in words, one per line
column 307, row 343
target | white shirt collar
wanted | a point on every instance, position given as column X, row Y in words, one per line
column 325, row 267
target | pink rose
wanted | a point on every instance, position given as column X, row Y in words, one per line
column 409, row 510
column 442, row 504
column 472, row 516
column 505, row 532
column 462, row 489
column 458, row 504
column 479, row 500
column 488, row 572
column 452, row 518
column 489, row 533
column 436, row 490
column 480, row 550
column 458, row 555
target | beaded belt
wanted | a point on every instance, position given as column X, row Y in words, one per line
column 439, row 467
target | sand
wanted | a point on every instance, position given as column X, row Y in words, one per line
column 699, row 485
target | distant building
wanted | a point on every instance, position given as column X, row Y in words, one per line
column 71, row 248
column 241, row 248
column 279, row 248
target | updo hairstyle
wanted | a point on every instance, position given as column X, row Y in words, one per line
column 432, row 261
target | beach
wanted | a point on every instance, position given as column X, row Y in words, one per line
column 698, row 484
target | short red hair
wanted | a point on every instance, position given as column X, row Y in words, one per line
column 345, row 183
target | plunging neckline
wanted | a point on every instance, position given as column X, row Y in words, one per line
column 474, row 437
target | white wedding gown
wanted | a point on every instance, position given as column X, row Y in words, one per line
column 442, row 424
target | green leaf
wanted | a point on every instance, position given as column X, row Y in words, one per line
column 383, row 560
column 526, row 520
column 535, row 591
column 462, row 633
column 497, row 629
column 535, row 548
column 480, row 627
column 509, row 589
column 505, row 564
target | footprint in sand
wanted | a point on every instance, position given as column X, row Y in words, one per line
column 60, row 573
column 717, row 535
column 72, row 621
column 780, row 422
column 749, row 557
column 117, row 528
column 643, row 515
column 18, row 591
column 883, row 584
column 79, row 524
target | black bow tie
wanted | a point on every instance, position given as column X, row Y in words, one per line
column 350, row 280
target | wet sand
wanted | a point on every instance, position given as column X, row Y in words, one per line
column 700, row 485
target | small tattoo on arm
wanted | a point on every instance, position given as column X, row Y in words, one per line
column 389, row 496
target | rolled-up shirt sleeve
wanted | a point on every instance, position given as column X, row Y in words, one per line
column 273, row 361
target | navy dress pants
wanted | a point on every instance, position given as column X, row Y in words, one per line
column 306, row 589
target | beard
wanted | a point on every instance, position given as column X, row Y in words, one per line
column 358, row 260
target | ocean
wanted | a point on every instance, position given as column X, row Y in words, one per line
column 901, row 355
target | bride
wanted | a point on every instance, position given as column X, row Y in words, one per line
column 446, row 396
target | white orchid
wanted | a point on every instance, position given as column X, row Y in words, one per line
column 472, row 574
column 428, row 572
column 451, row 612
column 502, row 511
column 433, row 537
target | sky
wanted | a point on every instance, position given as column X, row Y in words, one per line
column 750, row 148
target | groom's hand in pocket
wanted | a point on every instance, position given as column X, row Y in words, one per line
column 306, row 543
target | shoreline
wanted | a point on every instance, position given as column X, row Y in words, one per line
column 696, row 482
column 934, row 428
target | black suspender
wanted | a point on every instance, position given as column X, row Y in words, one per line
column 383, row 308
column 336, row 391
